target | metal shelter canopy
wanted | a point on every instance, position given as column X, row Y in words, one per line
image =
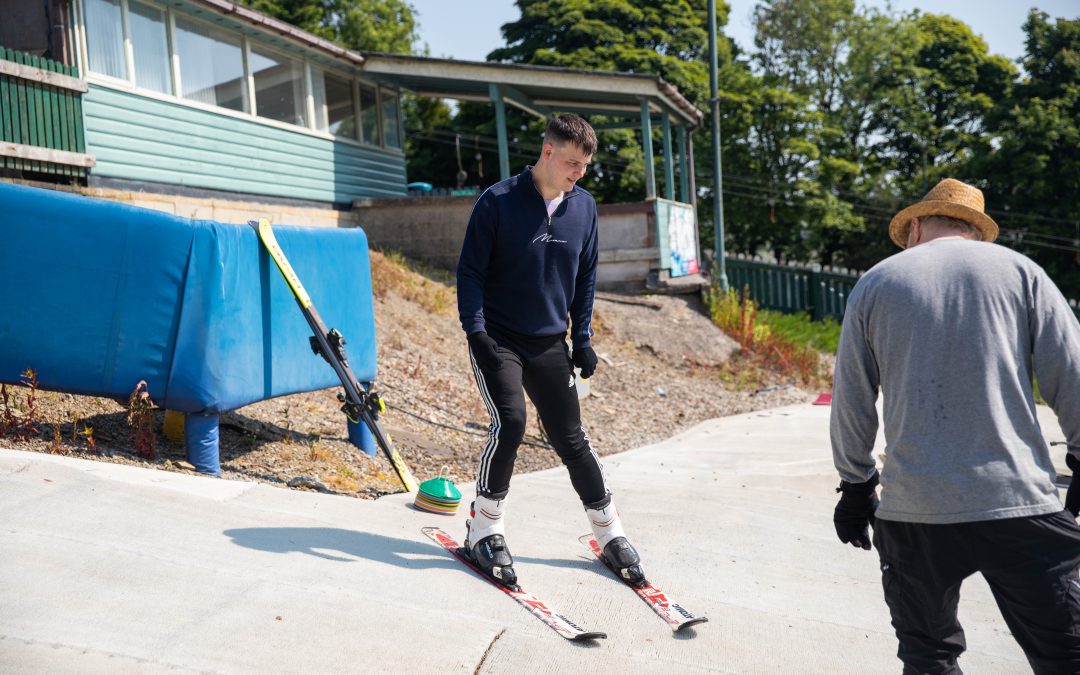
column 544, row 90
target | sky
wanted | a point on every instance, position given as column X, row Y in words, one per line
column 468, row 29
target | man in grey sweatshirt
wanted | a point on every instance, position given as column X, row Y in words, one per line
column 951, row 331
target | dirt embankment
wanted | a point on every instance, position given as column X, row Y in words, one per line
column 664, row 367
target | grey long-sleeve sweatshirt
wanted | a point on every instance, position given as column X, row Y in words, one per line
column 950, row 331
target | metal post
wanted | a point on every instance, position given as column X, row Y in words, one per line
column 500, row 126
column 669, row 161
column 684, row 172
column 718, row 182
column 646, row 148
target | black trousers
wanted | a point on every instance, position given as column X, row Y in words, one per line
column 542, row 367
column 1031, row 565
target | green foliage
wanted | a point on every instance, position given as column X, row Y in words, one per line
column 375, row 25
column 663, row 37
column 365, row 25
column 1032, row 177
column 668, row 38
column 800, row 328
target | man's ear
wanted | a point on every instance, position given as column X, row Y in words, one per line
column 914, row 232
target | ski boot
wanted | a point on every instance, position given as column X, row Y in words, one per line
column 621, row 557
column 485, row 543
column 618, row 554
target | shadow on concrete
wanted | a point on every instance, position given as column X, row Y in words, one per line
column 341, row 545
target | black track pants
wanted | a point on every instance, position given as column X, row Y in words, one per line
column 542, row 367
column 1031, row 565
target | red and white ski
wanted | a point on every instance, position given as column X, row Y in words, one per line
column 673, row 613
column 552, row 619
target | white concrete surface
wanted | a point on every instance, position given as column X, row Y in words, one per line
column 114, row 569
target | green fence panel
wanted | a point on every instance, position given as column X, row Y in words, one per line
column 820, row 292
column 792, row 288
column 40, row 115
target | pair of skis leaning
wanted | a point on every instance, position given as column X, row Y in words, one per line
column 358, row 404
column 672, row 613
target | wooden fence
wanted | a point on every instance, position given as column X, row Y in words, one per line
column 41, row 122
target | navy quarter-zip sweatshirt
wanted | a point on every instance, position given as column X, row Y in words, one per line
column 525, row 272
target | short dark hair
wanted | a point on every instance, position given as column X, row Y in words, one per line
column 570, row 128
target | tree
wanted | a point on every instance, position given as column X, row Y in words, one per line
column 668, row 38
column 1032, row 177
column 939, row 115
column 365, row 25
column 811, row 126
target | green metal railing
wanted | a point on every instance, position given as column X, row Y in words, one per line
column 41, row 122
column 819, row 291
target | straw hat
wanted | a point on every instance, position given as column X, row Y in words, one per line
column 950, row 198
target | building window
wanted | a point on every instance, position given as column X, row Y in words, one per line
column 150, row 47
column 390, row 116
column 334, row 110
column 211, row 65
column 369, row 115
column 162, row 51
column 105, row 38
column 279, row 87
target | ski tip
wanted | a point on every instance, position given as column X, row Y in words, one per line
column 589, row 636
column 691, row 622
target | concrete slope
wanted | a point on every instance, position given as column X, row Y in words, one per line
column 110, row 568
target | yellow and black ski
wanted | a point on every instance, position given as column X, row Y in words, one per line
column 359, row 404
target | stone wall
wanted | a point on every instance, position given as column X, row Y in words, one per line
column 227, row 210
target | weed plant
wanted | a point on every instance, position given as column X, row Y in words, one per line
column 772, row 342
column 428, row 287
column 140, row 418
column 19, row 414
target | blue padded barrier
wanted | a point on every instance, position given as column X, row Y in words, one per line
column 97, row 295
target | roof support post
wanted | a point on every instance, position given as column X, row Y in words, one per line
column 500, row 127
column 669, row 160
column 646, row 148
column 684, row 169
column 718, row 172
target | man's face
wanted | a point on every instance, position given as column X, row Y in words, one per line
column 568, row 164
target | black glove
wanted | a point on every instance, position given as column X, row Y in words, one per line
column 584, row 358
column 1072, row 495
column 483, row 350
column 854, row 513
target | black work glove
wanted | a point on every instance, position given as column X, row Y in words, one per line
column 854, row 513
column 1072, row 495
column 483, row 350
column 584, row 358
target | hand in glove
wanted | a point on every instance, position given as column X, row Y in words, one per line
column 584, row 358
column 854, row 514
column 483, row 347
column 1072, row 496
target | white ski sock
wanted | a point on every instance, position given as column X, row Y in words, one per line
column 605, row 524
column 487, row 519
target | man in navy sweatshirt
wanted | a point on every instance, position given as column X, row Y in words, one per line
column 527, row 265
